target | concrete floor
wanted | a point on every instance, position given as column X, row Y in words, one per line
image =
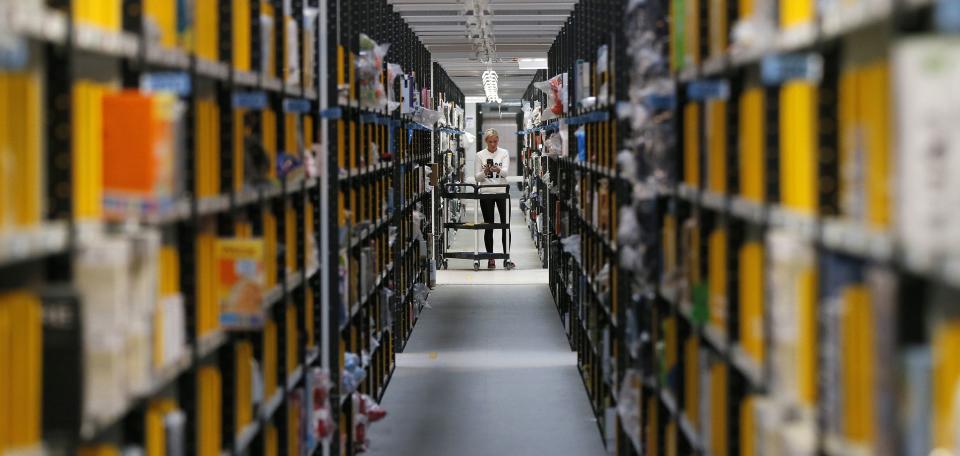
column 488, row 370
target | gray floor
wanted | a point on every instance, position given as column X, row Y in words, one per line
column 488, row 371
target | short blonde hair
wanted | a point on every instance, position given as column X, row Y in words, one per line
column 490, row 132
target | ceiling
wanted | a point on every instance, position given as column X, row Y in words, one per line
column 521, row 29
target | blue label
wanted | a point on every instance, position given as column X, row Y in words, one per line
column 947, row 16
column 296, row 105
column 250, row 100
column 176, row 82
column 14, row 54
column 777, row 69
column 331, row 113
column 661, row 102
column 708, row 90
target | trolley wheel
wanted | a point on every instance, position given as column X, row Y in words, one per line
column 476, row 265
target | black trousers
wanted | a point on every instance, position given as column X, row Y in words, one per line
column 486, row 207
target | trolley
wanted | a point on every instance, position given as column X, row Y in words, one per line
column 466, row 191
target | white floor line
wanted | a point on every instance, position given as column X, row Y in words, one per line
column 487, row 359
column 494, row 277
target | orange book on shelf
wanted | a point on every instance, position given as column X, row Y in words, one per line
column 798, row 146
column 238, row 149
column 716, row 145
column 691, row 144
column 751, row 278
column 270, row 353
column 290, row 238
column 243, row 406
column 292, row 336
column 751, row 143
column 137, row 158
column 946, row 381
column 209, row 411
column 719, row 28
column 796, row 12
column 206, row 29
column 857, row 366
column 21, row 155
column 241, row 29
column 717, row 279
column 807, row 337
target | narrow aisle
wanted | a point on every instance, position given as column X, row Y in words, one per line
column 488, row 369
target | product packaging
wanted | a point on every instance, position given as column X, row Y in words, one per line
column 369, row 64
column 240, row 282
column 556, row 96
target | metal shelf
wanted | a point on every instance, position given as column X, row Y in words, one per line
column 39, row 242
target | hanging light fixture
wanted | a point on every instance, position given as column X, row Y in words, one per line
column 490, row 88
column 479, row 29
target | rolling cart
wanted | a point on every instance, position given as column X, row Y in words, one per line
column 464, row 191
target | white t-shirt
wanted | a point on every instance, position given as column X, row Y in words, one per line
column 500, row 158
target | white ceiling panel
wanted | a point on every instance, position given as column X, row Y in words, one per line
column 521, row 29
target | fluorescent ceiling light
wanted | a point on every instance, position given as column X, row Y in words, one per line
column 532, row 64
column 480, row 99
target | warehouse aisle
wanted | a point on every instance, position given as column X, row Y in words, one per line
column 488, row 369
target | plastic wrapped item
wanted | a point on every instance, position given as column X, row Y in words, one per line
column 366, row 405
column 628, row 233
column 602, row 69
column 373, row 94
column 418, row 218
column 527, row 115
column 628, row 165
column 426, row 117
column 366, row 412
column 353, row 372
column 537, row 114
column 321, row 426
column 571, row 245
column 420, row 294
column 393, row 70
column 554, row 145
column 556, row 96
column 755, row 33
column 292, row 64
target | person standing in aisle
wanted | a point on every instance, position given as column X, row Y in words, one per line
column 490, row 168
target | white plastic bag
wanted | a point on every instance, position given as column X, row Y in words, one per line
column 556, row 96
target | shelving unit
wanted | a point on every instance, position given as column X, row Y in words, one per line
column 449, row 159
column 381, row 158
column 110, row 272
column 582, row 198
column 786, row 298
column 535, row 166
column 115, row 248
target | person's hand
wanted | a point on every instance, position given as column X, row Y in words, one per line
column 495, row 168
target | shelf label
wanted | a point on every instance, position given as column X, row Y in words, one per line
column 661, row 101
column 777, row 69
column 175, row 82
column 331, row 113
column 947, row 16
column 14, row 53
column 256, row 99
column 296, row 105
column 708, row 90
